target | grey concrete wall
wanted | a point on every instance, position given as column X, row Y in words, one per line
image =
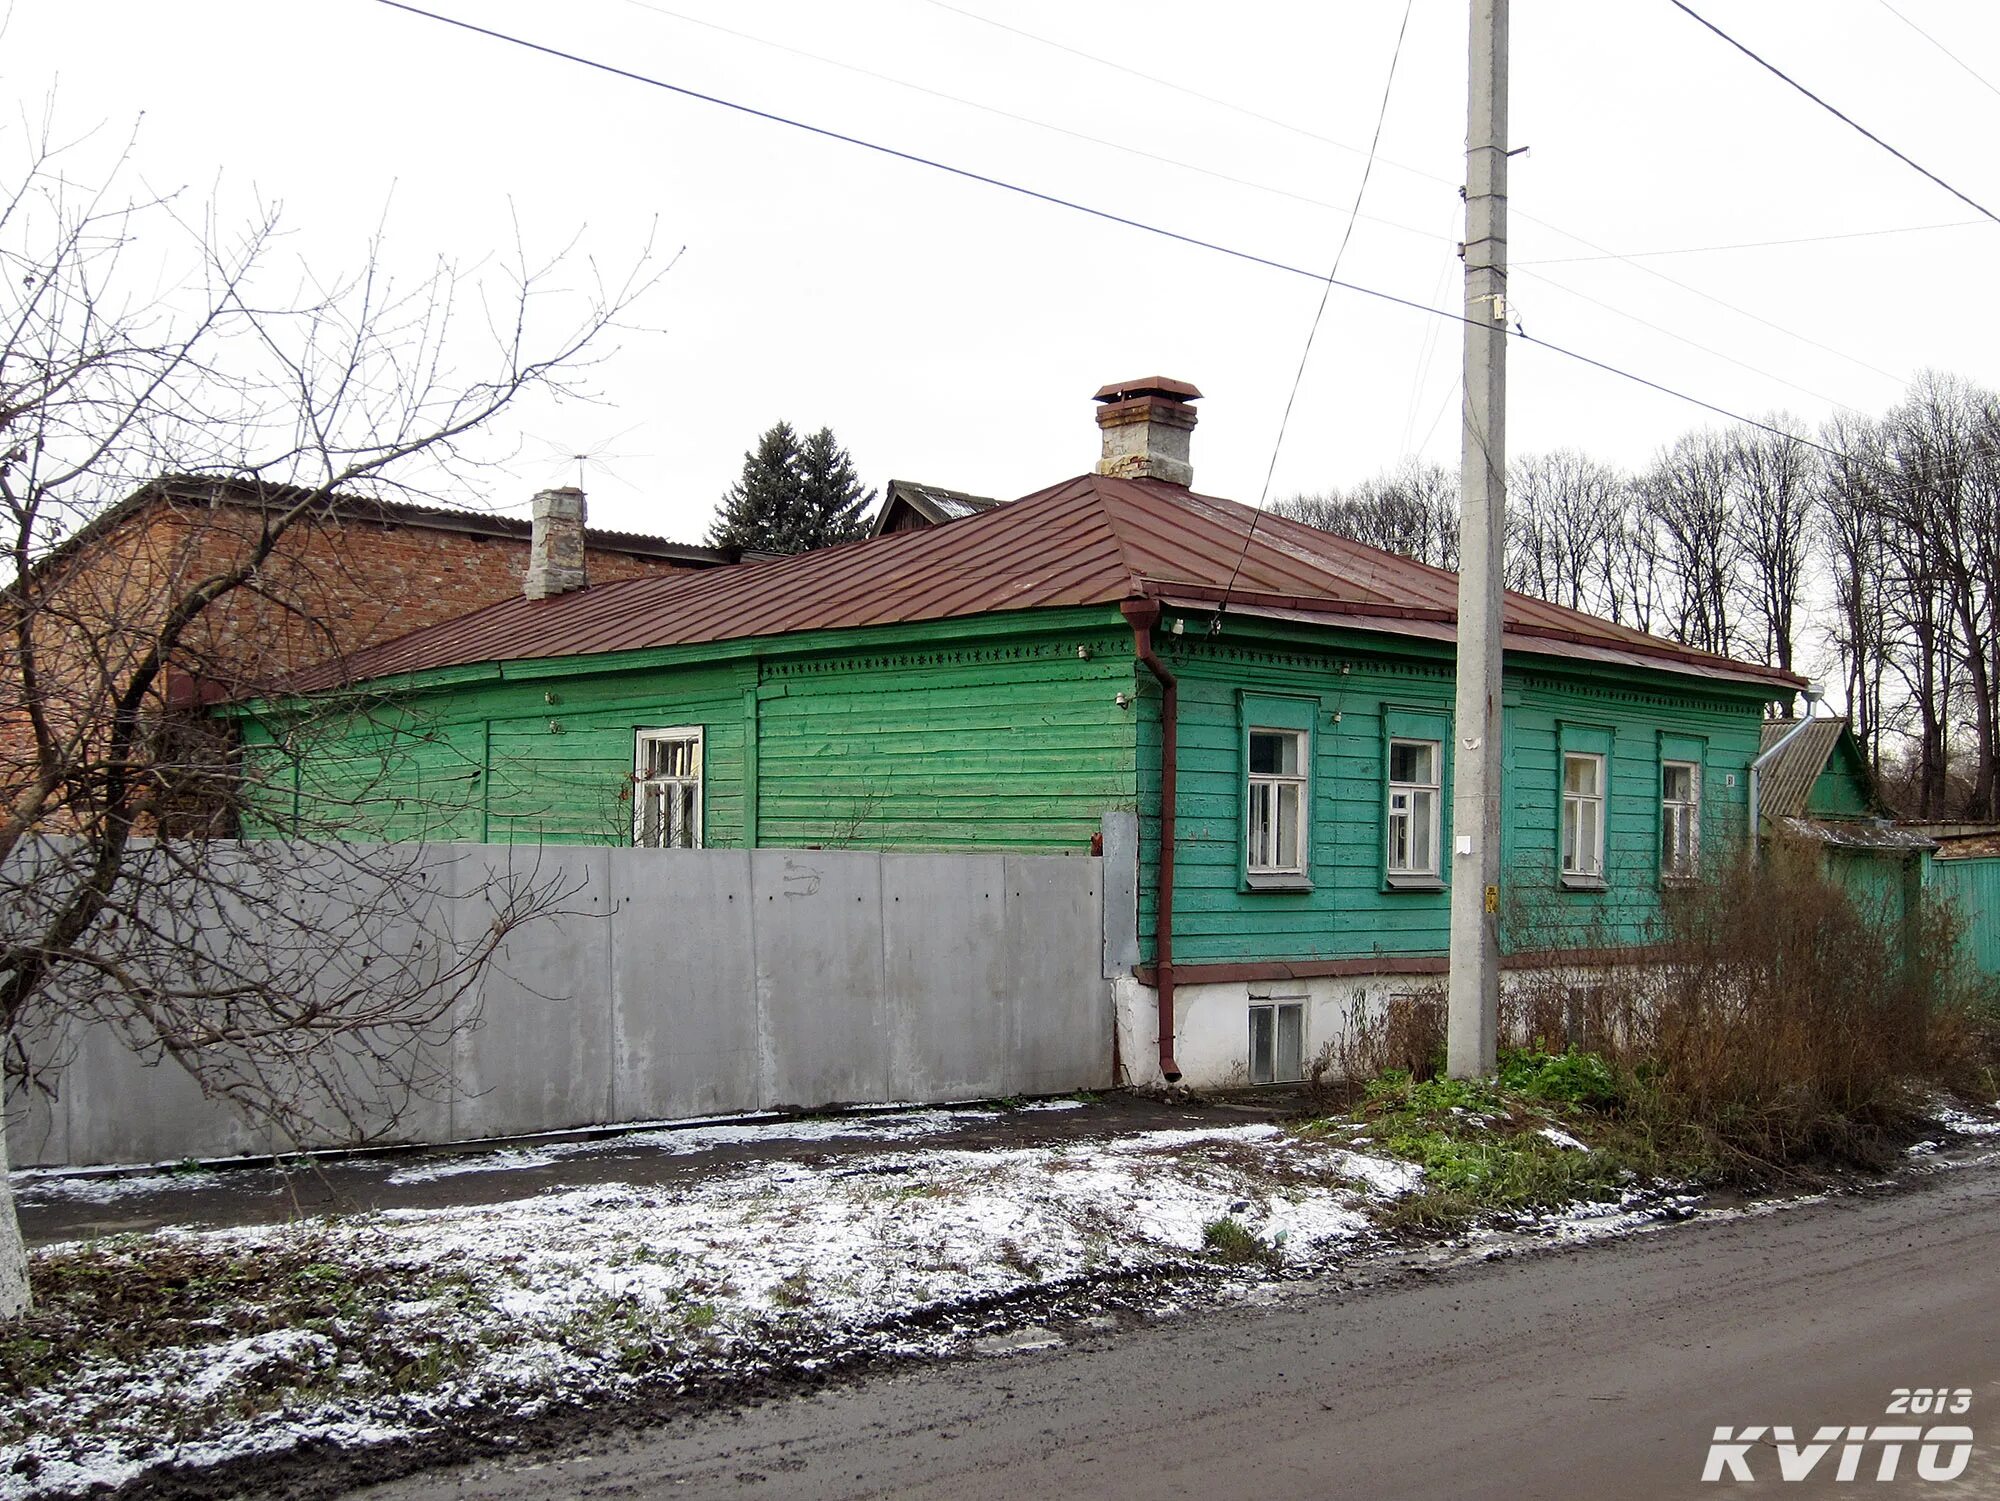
column 688, row 982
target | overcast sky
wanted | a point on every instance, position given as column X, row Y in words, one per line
column 952, row 333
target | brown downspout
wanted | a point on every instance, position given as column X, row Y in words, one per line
column 1144, row 614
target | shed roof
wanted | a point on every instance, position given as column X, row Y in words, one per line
column 1960, row 840
column 1089, row 540
column 1856, row 833
column 933, row 503
column 1786, row 784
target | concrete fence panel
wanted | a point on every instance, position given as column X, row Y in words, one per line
column 948, row 977
column 684, row 985
column 672, row 983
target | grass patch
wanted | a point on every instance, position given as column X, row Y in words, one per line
column 1485, row 1147
column 137, row 1302
column 1233, row 1243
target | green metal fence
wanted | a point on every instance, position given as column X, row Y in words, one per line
column 1975, row 886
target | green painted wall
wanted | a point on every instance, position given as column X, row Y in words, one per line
column 1005, row 732
column 1841, row 789
column 1357, row 694
column 1005, row 735
column 1974, row 885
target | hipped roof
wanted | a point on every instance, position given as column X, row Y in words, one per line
column 1091, row 540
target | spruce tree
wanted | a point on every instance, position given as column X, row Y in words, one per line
column 755, row 511
column 793, row 496
column 833, row 507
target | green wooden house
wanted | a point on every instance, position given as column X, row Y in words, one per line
column 1005, row 680
column 1818, row 795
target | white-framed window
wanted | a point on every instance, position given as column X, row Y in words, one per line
column 1680, row 819
column 1277, row 803
column 1415, row 790
column 1583, row 816
column 666, row 788
column 1277, row 1042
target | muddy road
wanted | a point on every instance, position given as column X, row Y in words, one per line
column 1597, row 1371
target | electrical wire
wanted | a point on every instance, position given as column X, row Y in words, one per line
column 1351, row 213
column 1857, row 234
column 1681, row 338
column 1244, row 182
column 1845, row 119
column 1191, row 93
column 1312, row 330
column 1514, row 213
column 1020, row 119
column 1106, row 215
column 1984, row 81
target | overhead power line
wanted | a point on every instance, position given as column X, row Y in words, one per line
column 1844, row 118
column 1019, row 119
column 1853, row 234
column 1105, row 215
column 1183, row 89
column 1513, row 212
column 1351, row 214
column 1312, row 330
column 1984, row 81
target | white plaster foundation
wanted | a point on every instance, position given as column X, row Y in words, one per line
column 1212, row 1021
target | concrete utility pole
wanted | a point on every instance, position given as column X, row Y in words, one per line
column 1474, row 1003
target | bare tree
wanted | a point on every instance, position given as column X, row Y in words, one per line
column 1634, row 590
column 1563, row 519
column 1772, row 475
column 303, row 981
column 1411, row 510
column 1939, row 505
column 1687, row 493
column 1850, row 528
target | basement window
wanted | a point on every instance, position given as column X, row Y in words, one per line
column 666, row 788
column 1277, row 1042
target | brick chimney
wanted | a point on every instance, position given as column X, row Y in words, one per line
column 1146, row 425
column 555, row 544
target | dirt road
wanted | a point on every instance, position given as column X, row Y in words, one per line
column 1600, row 1371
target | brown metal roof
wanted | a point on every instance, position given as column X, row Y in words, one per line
column 1090, row 540
column 935, row 504
column 1784, row 786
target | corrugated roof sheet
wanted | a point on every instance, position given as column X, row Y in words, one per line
column 1784, row 785
column 1854, row 833
column 1090, row 540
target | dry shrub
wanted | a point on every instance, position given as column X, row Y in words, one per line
column 1406, row 1032
column 1553, row 1011
column 1777, row 1017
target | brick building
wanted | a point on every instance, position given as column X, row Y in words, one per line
column 350, row 573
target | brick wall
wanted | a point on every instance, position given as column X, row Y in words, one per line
column 332, row 586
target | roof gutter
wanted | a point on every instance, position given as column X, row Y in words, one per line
column 1144, row 614
column 1813, row 693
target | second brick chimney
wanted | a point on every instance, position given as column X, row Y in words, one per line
column 1146, row 424
column 555, row 543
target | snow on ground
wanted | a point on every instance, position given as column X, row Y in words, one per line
column 1960, row 1124
column 108, row 1185
column 683, row 1140
column 391, row 1324
column 580, row 1293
